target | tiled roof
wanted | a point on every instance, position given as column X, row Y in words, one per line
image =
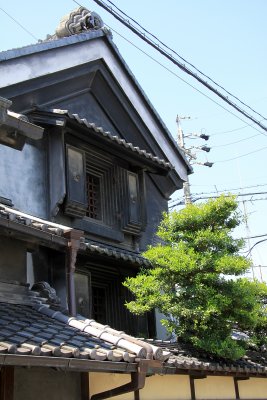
column 47, row 45
column 115, row 252
column 40, row 331
column 112, row 138
column 50, row 44
column 185, row 357
column 57, row 231
column 17, row 216
column 11, row 122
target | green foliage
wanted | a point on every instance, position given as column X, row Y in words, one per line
column 196, row 280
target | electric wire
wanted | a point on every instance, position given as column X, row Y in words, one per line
column 183, row 80
column 18, row 23
column 222, row 191
column 255, row 236
column 255, row 244
column 232, row 130
column 179, row 64
column 187, row 62
column 237, row 141
column 194, row 199
column 242, row 155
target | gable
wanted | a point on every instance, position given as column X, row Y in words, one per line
column 86, row 75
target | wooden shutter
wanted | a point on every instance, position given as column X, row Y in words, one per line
column 76, row 201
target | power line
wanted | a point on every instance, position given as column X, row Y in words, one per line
column 183, row 80
column 225, row 190
column 256, row 236
column 260, row 241
column 237, row 141
column 242, row 155
column 18, row 23
column 187, row 62
column 232, row 130
column 178, row 64
column 180, row 202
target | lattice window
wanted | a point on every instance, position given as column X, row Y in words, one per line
column 94, row 197
column 99, row 304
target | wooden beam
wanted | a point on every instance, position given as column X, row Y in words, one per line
column 192, row 388
column 7, row 383
column 192, row 384
column 236, row 379
column 85, row 394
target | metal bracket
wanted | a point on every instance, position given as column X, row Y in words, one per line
column 138, row 379
column 192, row 383
column 236, row 379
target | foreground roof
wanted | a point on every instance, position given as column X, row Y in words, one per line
column 37, row 330
column 43, row 334
column 186, row 358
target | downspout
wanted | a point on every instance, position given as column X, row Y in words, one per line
column 74, row 240
column 138, row 379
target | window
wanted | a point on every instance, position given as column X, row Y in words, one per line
column 99, row 305
column 75, row 204
column 82, row 290
column 93, row 186
column 105, row 192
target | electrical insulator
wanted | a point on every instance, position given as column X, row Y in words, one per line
column 205, row 148
column 208, row 164
column 203, row 136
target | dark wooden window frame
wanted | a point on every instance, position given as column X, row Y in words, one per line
column 94, row 196
column 119, row 212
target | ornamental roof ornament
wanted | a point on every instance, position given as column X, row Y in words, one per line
column 78, row 21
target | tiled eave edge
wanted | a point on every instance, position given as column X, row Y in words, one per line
column 115, row 253
column 30, row 228
column 62, row 117
column 34, row 229
column 178, row 363
column 66, row 364
column 209, row 369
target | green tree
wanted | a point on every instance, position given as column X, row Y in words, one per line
column 196, row 279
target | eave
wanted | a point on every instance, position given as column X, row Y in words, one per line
column 15, row 128
column 89, row 132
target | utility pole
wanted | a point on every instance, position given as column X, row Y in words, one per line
column 180, row 139
column 192, row 158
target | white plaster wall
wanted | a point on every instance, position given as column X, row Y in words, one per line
column 160, row 329
column 23, row 179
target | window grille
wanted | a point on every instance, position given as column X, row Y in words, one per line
column 94, row 197
column 99, row 304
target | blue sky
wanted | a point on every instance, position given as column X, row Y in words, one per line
column 224, row 39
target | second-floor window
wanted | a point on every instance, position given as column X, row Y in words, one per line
column 105, row 190
column 94, row 202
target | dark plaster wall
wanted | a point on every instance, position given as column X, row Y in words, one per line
column 87, row 106
column 12, row 260
column 44, row 383
column 156, row 204
column 23, row 177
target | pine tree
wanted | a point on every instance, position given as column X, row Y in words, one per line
column 197, row 279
